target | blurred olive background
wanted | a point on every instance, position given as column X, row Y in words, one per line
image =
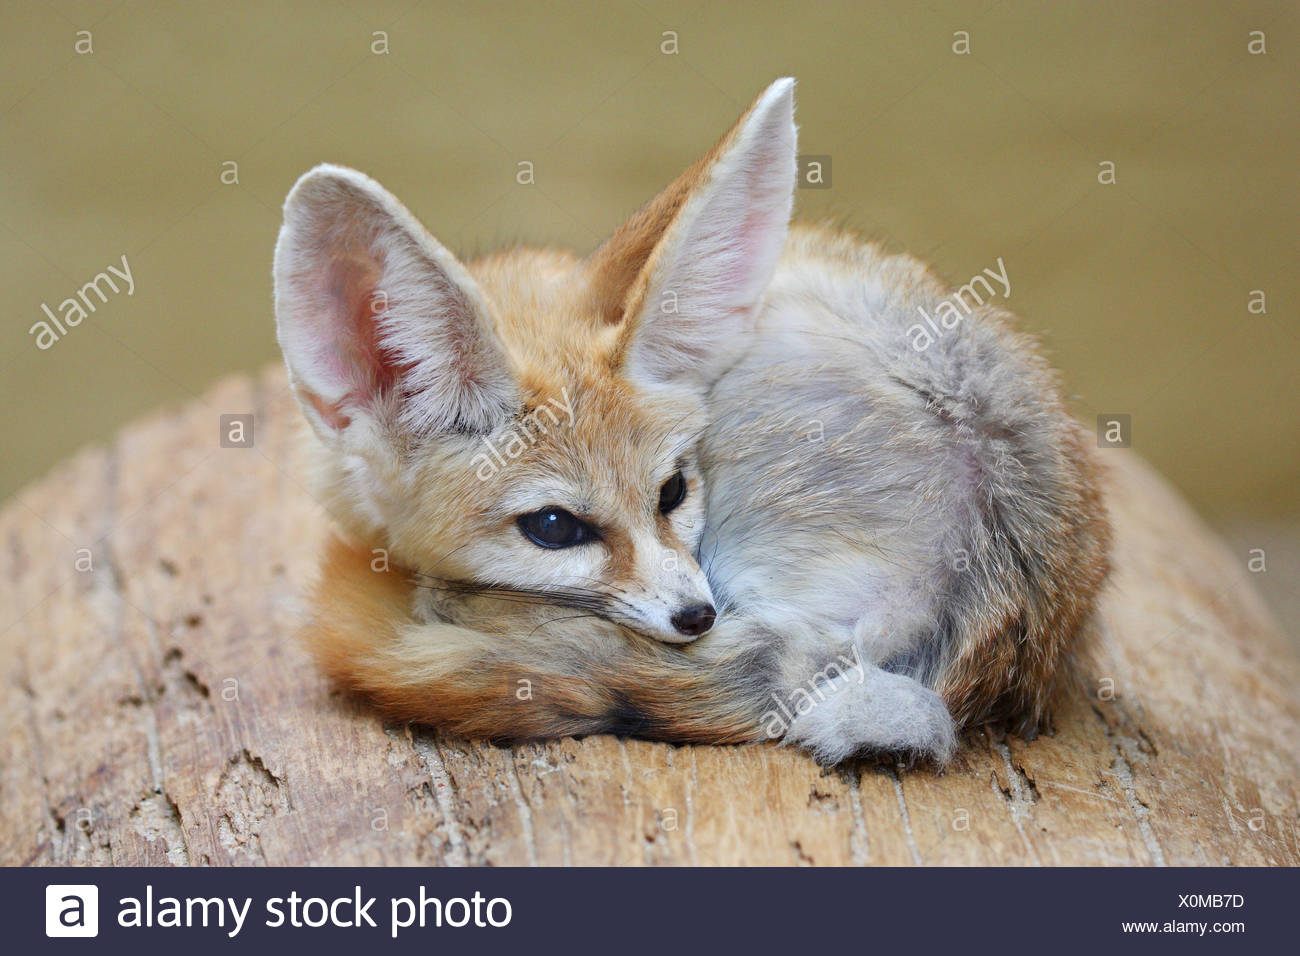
column 960, row 132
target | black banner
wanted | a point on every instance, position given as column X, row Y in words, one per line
column 658, row 911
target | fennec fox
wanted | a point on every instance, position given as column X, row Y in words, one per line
column 712, row 427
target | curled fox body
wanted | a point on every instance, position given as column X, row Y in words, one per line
column 700, row 485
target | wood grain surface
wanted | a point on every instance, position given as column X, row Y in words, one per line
column 157, row 708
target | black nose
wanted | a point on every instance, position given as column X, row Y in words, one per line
column 695, row 619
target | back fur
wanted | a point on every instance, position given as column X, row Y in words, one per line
column 942, row 502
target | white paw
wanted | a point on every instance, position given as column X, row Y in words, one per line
column 875, row 712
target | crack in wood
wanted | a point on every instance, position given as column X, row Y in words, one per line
column 521, row 804
column 859, row 835
column 1019, row 795
column 906, row 818
column 1122, row 770
column 156, row 816
column 455, row 850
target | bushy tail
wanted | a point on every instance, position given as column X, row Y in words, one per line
column 583, row 678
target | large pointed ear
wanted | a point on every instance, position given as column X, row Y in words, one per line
column 686, row 274
column 377, row 320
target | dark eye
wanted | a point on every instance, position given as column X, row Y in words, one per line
column 672, row 493
column 555, row 528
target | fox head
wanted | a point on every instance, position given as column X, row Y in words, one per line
column 525, row 425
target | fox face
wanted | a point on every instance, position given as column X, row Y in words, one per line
column 589, row 496
column 524, row 426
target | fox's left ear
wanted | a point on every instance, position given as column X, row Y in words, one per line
column 685, row 275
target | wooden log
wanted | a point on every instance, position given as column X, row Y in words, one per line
column 158, row 710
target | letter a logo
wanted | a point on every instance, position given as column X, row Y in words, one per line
column 71, row 910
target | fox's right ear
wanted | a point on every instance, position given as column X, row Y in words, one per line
column 377, row 321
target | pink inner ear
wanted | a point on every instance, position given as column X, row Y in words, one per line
column 762, row 231
column 347, row 348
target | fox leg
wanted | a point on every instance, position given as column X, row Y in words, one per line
column 870, row 711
